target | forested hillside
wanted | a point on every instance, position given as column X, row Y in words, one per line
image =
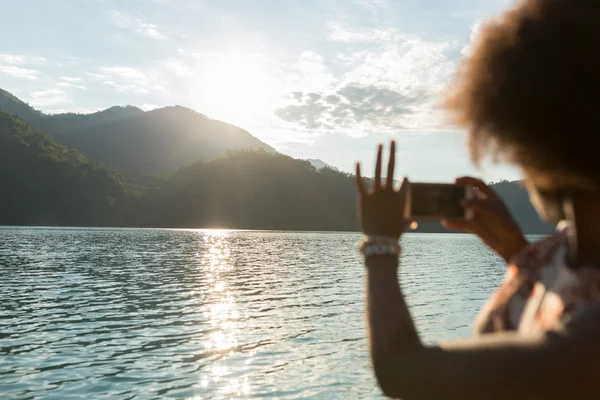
column 258, row 190
column 152, row 142
column 45, row 183
column 251, row 190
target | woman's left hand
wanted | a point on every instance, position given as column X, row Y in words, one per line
column 491, row 222
column 381, row 209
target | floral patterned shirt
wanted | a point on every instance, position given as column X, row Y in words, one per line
column 540, row 290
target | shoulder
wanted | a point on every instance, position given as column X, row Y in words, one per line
column 541, row 253
column 503, row 310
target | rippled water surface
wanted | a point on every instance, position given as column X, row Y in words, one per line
column 130, row 313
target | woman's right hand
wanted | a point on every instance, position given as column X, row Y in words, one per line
column 491, row 220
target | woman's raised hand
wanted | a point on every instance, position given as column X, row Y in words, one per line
column 381, row 209
column 491, row 221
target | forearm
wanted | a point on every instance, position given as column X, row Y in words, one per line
column 512, row 247
column 465, row 370
column 497, row 366
column 391, row 330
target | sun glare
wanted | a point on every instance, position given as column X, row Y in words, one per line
column 235, row 87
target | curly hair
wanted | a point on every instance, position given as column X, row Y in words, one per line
column 529, row 92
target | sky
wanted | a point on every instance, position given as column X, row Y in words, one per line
column 326, row 79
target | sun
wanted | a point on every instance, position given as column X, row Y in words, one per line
column 235, row 87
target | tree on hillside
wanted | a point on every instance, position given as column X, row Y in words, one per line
column 45, row 183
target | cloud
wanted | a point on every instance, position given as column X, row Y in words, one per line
column 94, row 75
column 129, row 79
column 396, row 57
column 70, row 79
column 311, row 72
column 373, row 3
column 137, row 25
column 14, row 65
column 355, row 107
column 48, row 97
column 125, row 87
column 126, row 73
column 310, row 63
column 340, row 33
column 19, row 59
column 179, row 69
column 383, row 81
column 307, row 114
column 71, row 85
column 20, row 72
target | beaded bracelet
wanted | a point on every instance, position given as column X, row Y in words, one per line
column 379, row 246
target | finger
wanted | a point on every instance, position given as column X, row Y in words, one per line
column 475, row 182
column 469, row 180
column 479, row 207
column 405, row 195
column 377, row 184
column 360, row 183
column 463, row 226
column 391, row 164
column 404, row 187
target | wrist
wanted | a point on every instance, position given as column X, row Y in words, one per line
column 379, row 246
column 382, row 264
column 514, row 248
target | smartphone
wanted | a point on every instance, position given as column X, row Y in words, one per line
column 439, row 201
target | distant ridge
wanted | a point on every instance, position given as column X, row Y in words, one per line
column 153, row 142
column 318, row 164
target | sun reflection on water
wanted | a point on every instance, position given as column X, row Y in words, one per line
column 221, row 312
column 237, row 387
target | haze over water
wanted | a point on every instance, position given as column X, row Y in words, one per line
column 123, row 313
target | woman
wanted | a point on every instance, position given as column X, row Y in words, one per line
column 528, row 93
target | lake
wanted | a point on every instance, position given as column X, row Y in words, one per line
column 143, row 313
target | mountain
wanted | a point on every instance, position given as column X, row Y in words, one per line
column 250, row 190
column 152, row 142
column 516, row 198
column 259, row 190
column 71, row 123
column 45, row 183
column 13, row 105
column 318, row 164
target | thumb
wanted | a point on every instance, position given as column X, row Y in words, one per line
column 464, row 226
